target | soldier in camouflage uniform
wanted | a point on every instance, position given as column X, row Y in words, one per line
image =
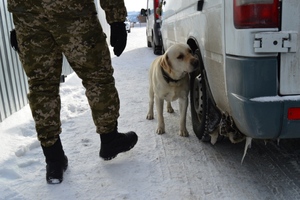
column 47, row 28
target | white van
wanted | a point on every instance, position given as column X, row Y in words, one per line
column 248, row 85
column 153, row 26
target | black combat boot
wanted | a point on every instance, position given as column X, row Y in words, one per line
column 114, row 143
column 57, row 162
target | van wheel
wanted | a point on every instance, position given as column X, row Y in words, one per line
column 149, row 43
column 162, row 50
column 198, row 100
column 157, row 50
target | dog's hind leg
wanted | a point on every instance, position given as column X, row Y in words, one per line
column 150, row 114
column 169, row 107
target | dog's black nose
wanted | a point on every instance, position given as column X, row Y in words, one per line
column 195, row 62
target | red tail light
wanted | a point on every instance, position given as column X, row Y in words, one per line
column 256, row 13
column 156, row 3
column 293, row 114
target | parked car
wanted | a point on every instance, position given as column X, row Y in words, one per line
column 127, row 25
column 153, row 25
column 248, row 85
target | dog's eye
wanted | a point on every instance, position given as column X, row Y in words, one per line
column 190, row 51
column 180, row 57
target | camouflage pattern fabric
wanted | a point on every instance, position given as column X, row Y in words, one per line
column 42, row 39
column 115, row 10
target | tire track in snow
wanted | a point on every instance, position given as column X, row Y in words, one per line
column 278, row 173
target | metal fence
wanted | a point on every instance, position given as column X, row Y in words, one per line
column 13, row 81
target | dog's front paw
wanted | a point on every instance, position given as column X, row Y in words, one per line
column 160, row 130
column 149, row 116
column 184, row 133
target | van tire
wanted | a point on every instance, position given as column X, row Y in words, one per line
column 149, row 43
column 198, row 100
column 157, row 51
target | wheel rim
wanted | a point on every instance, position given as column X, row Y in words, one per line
column 198, row 97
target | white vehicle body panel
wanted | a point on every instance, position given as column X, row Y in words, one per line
column 290, row 62
column 179, row 21
column 243, row 64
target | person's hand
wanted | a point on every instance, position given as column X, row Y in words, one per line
column 118, row 37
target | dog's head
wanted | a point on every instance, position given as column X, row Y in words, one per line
column 178, row 60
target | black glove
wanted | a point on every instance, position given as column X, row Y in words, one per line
column 118, row 37
column 13, row 40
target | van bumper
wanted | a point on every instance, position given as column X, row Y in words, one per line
column 256, row 108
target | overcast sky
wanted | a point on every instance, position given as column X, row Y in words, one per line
column 135, row 5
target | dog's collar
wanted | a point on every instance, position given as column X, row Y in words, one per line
column 167, row 77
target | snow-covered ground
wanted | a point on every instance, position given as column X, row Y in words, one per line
column 159, row 167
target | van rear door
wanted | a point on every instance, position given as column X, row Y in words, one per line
column 290, row 61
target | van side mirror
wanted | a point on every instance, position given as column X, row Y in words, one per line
column 143, row 12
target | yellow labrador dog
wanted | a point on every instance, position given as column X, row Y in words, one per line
column 169, row 81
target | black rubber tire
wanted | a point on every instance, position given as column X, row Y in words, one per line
column 157, row 50
column 198, row 99
column 149, row 44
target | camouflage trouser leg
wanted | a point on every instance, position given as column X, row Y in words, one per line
column 41, row 40
column 42, row 61
column 84, row 44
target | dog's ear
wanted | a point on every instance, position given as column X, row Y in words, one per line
column 165, row 63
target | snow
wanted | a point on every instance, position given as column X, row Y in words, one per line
column 159, row 167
